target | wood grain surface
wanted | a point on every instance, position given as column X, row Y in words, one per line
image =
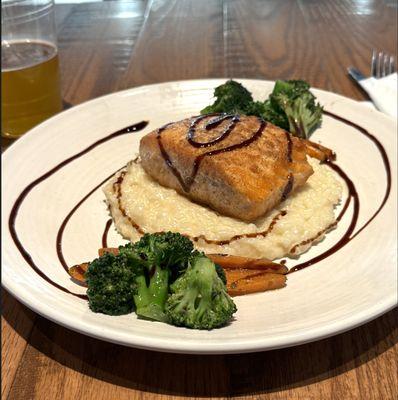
column 113, row 45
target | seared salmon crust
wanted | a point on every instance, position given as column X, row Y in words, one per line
column 239, row 166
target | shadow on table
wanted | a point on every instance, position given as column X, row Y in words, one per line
column 192, row 375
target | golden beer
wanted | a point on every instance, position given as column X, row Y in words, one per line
column 30, row 91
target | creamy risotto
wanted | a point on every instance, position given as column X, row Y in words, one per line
column 139, row 204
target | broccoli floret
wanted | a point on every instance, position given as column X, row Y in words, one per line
column 167, row 249
column 151, row 294
column 111, row 283
column 141, row 274
column 166, row 257
column 199, row 298
column 292, row 106
column 220, row 272
column 255, row 108
column 231, row 98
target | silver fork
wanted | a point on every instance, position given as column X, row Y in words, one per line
column 382, row 64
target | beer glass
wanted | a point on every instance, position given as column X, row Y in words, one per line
column 30, row 91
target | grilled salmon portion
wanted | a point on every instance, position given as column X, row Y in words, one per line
column 239, row 166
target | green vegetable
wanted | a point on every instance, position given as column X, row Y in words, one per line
column 166, row 256
column 151, row 296
column 143, row 274
column 167, row 249
column 221, row 274
column 199, row 297
column 290, row 106
column 111, row 283
column 231, row 98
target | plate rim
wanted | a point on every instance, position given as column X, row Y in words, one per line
column 166, row 345
column 177, row 346
column 184, row 81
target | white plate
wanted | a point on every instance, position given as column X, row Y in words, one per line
column 349, row 288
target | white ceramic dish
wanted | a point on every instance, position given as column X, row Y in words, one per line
column 354, row 285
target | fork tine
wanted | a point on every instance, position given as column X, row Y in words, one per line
column 391, row 66
column 386, row 64
column 379, row 64
column 382, row 64
column 373, row 63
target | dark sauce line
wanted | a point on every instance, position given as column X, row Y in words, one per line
column 166, row 157
column 14, row 211
column 117, row 187
column 384, row 157
column 217, row 121
column 187, row 183
column 243, row 235
column 333, row 224
column 348, row 235
column 350, row 185
column 312, row 239
column 117, row 191
column 61, row 229
column 210, row 125
column 245, row 143
column 339, row 217
column 104, row 241
column 289, row 186
column 351, row 188
column 289, row 147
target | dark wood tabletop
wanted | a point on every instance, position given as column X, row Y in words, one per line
column 112, row 45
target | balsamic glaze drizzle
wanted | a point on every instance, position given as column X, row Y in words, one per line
column 104, row 240
column 353, row 196
column 289, row 147
column 289, row 186
column 211, row 125
column 187, row 183
column 61, row 229
column 117, row 192
column 15, row 208
column 349, row 235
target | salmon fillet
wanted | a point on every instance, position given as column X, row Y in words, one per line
column 239, row 166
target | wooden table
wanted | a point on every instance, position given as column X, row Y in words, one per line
column 108, row 46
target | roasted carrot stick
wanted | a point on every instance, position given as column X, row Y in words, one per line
column 318, row 151
column 77, row 272
column 256, row 283
column 233, row 262
column 244, row 275
column 103, row 250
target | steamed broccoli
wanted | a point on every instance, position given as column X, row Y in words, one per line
column 166, row 249
column 165, row 256
column 111, row 283
column 138, row 276
column 199, row 297
column 143, row 274
column 231, row 98
column 290, row 106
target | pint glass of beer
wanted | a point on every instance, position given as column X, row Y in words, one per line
column 30, row 90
